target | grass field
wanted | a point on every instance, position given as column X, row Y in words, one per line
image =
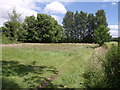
column 29, row 65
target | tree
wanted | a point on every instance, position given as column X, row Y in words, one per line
column 102, row 34
column 80, row 27
column 42, row 28
column 12, row 27
column 48, row 28
column 77, row 26
column 90, row 28
column 83, row 26
column 30, row 33
column 68, row 25
column 101, row 18
column 102, row 31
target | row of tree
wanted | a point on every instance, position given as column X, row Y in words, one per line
column 77, row 28
column 86, row 28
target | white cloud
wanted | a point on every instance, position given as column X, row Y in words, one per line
column 24, row 7
column 58, row 18
column 114, row 3
column 2, row 20
column 113, row 30
column 55, row 7
column 78, row 0
column 114, row 33
column 113, row 27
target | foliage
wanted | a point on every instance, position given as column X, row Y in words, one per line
column 104, row 71
column 102, row 35
column 68, row 22
column 80, row 27
column 89, row 38
column 112, row 67
column 6, row 40
column 11, row 28
column 29, row 28
column 48, row 28
column 41, row 29
column 101, row 18
column 77, row 26
column 114, row 39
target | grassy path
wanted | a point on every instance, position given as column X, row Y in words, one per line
column 72, row 77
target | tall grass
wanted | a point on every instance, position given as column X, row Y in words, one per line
column 104, row 72
column 112, row 68
column 28, row 66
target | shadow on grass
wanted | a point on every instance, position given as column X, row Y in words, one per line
column 51, row 85
column 9, row 84
column 93, row 47
column 29, row 73
column 15, row 68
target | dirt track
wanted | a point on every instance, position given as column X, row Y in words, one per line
column 25, row 44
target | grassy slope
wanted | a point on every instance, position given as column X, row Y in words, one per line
column 36, row 63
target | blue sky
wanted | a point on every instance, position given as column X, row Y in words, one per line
column 110, row 8
column 92, row 7
column 58, row 8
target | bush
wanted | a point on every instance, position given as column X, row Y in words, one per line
column 94, row 75
column 112, row 68
column 104, row 72
column 6, row 40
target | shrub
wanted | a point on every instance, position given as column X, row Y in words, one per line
column 104, row 72
column 112, row 68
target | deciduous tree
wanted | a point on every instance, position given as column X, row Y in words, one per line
column 102, row 34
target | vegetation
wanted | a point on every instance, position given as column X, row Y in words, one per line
column 62, row 65
column 78, row 66
column 42, row 29
column 104, row 71
column 28, row 66
column 77, row 28
column 6, row 40
column 115, row 39
column 12, row 27
column 83, row 27
column 102, row 35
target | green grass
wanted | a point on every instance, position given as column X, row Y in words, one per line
column 5, row 40
column 110, row 44
column 29, row 65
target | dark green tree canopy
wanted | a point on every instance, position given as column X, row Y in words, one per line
column 80, row 27
column 43, row 28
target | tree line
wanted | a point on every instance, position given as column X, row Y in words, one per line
column 42, row 28
column 78, row 27
column 86, row 28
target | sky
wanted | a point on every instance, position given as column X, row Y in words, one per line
column 58, row 8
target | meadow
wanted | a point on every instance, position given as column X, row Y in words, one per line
column 30, row 65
